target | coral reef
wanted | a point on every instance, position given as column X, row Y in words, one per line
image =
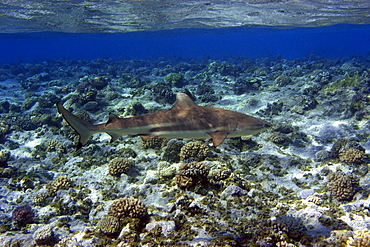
column 117, row 166
column 207, row 93
column 4, row 157
column 348, row 81
column 243, row 85
column 176, row 79
column 361, row 238
column 61, row 182
column 196, row 151
column 280, row 139
column 217, row 175
column 156, row 142
column 109, row 225
column 45, row 236
column 352, row 155
column 348, row 151
column 283, row 80
column 315, row 199
column 166, row 170
column 304, row 183
column 23, row 215
column 135, row 109
column 191, row 175
column 163, row 94
column 4, row 128
column 127, row 207
column 341, row 186
column 172, row 151
column 99, row 82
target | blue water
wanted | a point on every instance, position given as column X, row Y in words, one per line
column 333, row 41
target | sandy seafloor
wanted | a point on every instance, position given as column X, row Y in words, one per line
column 303, row 182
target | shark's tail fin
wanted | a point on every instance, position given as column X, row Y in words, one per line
column 84, row 129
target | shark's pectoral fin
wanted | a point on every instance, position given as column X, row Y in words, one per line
column 218, row 137
column 146, row 137
column 113, row 136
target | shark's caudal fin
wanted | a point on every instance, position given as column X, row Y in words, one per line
column 84, row 129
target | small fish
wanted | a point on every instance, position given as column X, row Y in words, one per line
column 184, row 120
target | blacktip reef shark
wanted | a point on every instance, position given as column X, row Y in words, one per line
column 184, row 120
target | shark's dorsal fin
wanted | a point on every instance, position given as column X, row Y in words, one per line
column 112, row 118
column 218, row 137
column 183, row 101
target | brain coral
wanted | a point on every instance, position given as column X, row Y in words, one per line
column 190, row 174
column 61, row 182
column 117, row 166
column 341, row 186
column 23, row 215
column 127, row 207
column 109, row 225
column 360, row 239
column 197, row 150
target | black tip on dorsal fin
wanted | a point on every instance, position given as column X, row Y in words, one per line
column 111, row 118
column 183, row 101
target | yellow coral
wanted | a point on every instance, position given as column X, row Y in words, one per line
column 284, row 244
column 117, row 166
column 352, row 155
column 109, row 225
column 191, row 174
column 127, row 206
column 196, row 150
column 156, row 142
column 360, row 239
column 61, row 182
column 341, row 186
column 315, row 199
